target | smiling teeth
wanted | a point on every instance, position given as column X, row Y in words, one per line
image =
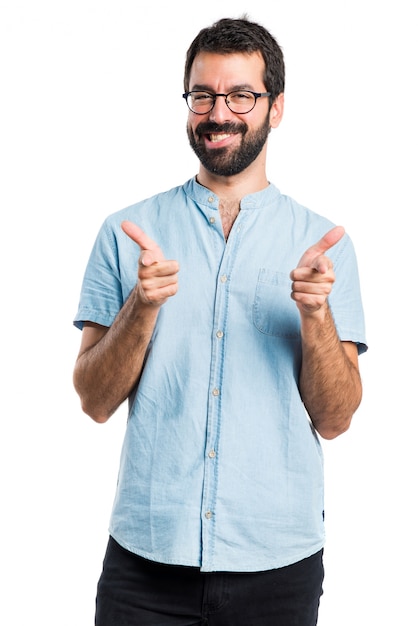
column 215, row 138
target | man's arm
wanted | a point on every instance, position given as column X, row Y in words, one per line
column 110, row 360
column 329, row 382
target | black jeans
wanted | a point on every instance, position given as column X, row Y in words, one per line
column 133, row 591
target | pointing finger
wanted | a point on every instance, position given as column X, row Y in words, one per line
column 330, row 238
column 150, row 251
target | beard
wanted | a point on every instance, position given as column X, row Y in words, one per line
column 224, row 161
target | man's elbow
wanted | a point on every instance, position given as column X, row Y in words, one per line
column 89, row 404
column 333, row 431
column 93, row 409
column 337, row 423
column 96, row 415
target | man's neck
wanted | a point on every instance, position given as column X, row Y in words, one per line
column 231, row 189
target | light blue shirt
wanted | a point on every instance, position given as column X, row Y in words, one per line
column 220, row 466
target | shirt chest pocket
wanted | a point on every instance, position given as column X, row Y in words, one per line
column 274, row 311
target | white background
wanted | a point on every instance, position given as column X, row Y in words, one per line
column 84, row 133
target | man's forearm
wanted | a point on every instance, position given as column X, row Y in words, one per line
column 330, row 383
column 106, row 372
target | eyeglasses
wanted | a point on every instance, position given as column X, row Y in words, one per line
column 201, row 102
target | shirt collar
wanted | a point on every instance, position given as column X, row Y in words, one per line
column 204, row 196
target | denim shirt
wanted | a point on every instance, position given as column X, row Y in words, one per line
column 220, row 466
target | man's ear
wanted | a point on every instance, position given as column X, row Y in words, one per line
column 276, row 111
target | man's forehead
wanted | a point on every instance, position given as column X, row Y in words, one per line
column 236, row 68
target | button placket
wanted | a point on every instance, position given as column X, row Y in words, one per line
column 212, row 456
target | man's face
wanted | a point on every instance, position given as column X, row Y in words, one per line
column 227, row 143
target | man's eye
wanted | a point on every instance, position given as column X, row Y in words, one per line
column 202, row 97
column 240, row 96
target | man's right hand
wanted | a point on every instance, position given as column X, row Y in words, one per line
column 157, row 277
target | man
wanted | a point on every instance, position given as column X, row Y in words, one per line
column 231, row 318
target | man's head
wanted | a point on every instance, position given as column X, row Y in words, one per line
column 234, row 84
column 240, row 35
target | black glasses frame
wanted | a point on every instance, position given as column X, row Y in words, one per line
column 256, row 95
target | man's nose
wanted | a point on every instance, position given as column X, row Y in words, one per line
column 220, row 111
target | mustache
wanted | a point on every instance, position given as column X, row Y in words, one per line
column 207, row 128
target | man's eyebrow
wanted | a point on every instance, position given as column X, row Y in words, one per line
column 238, row 87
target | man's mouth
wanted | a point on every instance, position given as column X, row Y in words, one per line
column 216, row 133
column 219, row 137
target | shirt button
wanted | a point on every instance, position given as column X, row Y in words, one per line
column 212, row 454
column 211, row 199
column 224, row 278
column 215, row 392
column 212, row 220
column 208, row 514
column 219, row 334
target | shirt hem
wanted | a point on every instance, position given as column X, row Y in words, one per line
column 206, row 568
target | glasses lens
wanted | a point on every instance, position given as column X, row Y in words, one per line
column 200, row 102
column 241, row 101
